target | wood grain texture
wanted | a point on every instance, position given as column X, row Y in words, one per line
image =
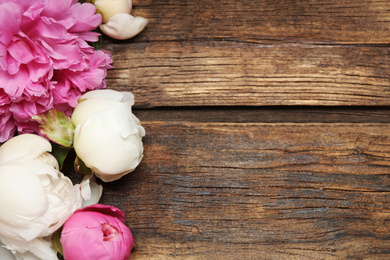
column 267, row 129
column 241, row 74
column 265, row 21
column 256, row 53
column 259, row 191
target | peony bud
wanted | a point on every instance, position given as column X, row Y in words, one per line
column 118, row 23
column 109, row 8
column 35, row 197
column 96, row 232
column 108, row 137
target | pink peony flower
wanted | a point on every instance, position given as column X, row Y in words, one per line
column 96, row 232
column 45, row 60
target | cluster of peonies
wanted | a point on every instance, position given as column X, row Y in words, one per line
column 51, row 88
column 46, row 60
column 37, row 199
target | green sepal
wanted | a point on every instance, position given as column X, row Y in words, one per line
column 60, row 153
column 55, row 241
column 56, row 126
column 98, row 45
column 80, row 167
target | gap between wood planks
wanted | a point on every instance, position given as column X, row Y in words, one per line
column 278, row 114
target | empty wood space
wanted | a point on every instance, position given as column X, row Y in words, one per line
column 267, row 129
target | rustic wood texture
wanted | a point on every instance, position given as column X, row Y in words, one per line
column 267, row 129
column 175, row 74
column 250, row 53
column 266, row 21
column 259, row 191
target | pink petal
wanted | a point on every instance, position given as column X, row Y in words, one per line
column 9, row 12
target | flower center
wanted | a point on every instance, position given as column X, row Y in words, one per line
column 109, row 232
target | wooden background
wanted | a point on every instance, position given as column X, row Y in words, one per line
column 267, row 129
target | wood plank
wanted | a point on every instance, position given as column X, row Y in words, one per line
column 325, row 21
column 242, row 74
column 245, row 190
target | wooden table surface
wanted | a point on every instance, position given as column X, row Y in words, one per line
column 267, row 129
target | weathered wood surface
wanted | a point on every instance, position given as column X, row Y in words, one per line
column 268, row 129
column 259, row 191
column 222, row 53
column 266, row 21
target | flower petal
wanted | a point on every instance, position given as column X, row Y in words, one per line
column 33, row 146
column 123, row 26
column 91, row 191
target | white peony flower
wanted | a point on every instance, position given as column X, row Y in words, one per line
column 118, row 23
column 35, row 197
column 108, row 136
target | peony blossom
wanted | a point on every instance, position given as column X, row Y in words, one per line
column 35, row 197
column 108, row 136
column 97, row 232
column 45, row 60
column 118, row 23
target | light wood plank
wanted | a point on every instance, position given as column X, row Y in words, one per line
column 241, row 74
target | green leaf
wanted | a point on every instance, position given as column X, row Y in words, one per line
column 60, row 153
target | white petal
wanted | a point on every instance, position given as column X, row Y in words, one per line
column 90, row 190
column 25, row 146
column 6, row 254
column 100, row 101
column 104, row 93
column 38, row 249
column 123, row 26
column 23, row 201
column 111, row 7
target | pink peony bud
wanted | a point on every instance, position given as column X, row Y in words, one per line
column 97, row 232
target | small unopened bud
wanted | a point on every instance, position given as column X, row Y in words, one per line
column 118, row 23
column 56, row 126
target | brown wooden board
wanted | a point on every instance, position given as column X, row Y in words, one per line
column 267, row 129
column 251, row 53
column 259, row 191
column 266, row 21
column 241, row 74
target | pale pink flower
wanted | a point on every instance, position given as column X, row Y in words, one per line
column 45, row 60
column 96, row 232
